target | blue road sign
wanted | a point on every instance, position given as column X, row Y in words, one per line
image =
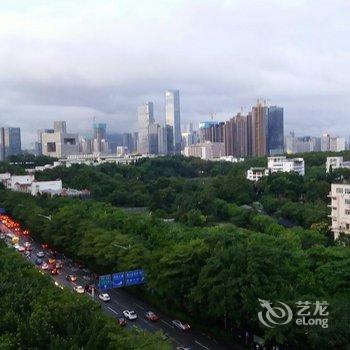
column 105, row 282
column 134, row 277
column 118, row 280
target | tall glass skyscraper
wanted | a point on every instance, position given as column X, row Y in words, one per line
column 10, row 142
column 172, row 116
column 145, row 118
column 275, row 131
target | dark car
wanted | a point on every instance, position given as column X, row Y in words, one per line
column 121, row 321
column 151, row 316
column 39, row 262
column 71, row 278
column 59, row 264
column 54, row 271
column 88, row 288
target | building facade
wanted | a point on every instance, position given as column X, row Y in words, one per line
column 275, row 131
column 145, row 118
column 10, row 142
column 340, row 209
column 172, row 117
column 287, row 165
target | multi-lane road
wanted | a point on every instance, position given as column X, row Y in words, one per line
column 121, row 300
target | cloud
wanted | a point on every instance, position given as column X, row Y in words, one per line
column 75, row 60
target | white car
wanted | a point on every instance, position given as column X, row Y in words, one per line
column 79, row 289
column 181, row 325
column 40, row 254
column 21, row 249
column 130, row 314
column 44, row 266
column 16, row 246
column 27, row 244
column 104, row 297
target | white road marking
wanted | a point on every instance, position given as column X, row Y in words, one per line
column 112, row 310
column 203, row 346
column 168, row 324
column 140, row 306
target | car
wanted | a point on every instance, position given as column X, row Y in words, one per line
column 16, row 246
column 58, row 265
column 29, row 249
column 181, row 325
column 27, row 254
column 44, row 266
column 79, row 289
column 54, row 272
column 151, row 316
column 130, row 314
column 71, row 278
column 38, row 261
column 52, row 261
column 183, row 348
column 44, row 245
column 21, row 249
column 40, row 254
column 121, row 321
column 104, row 297
column 26, row 244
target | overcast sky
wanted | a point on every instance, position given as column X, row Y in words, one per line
column 73, row 60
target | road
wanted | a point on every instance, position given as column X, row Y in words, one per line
column 121, row 300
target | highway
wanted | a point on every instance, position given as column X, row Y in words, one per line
column 121, row 300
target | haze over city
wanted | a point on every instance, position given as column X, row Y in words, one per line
column 73, row 61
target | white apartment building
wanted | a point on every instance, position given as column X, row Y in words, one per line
column 50, row 187
column 205, row 150
column 336, row 163
column 340, row 209
column 287, row 165
column 255, row 174
column 19, row 182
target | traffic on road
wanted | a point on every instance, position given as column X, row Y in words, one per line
column 127, row 309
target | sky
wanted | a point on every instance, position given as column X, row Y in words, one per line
column 75, row 60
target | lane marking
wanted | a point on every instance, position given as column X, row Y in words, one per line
column 112, row 310
column 168, row 324
column 203, row 346
column 140, row 306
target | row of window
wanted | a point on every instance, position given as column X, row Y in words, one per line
column 341, row 190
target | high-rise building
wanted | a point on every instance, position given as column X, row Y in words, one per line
column 275, row 130
column 241, row 136
column 259, row 129
column 250, row 134
column 172, row 116
column 100, row 138
column 325, row 143
column 128, row 141
column 163, row 140
column 145, row 118
column 59, row 143
column 60, row 126
column 153, row 132
column 10, row 142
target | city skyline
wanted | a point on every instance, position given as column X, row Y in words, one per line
column 71, row 62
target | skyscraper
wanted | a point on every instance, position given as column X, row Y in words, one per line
column 10, row 142
column 145, row 118
column 60, row 126
column 275, row 132
column 172, row 116
column 259, row 129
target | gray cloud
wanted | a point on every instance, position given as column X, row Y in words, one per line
column 75, row 61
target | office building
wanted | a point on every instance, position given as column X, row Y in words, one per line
column 59, row 143
column 163, row 140
column 145, row 118
column 325, row 143
column 128, row 141
column 207, row 150
column 275, row 131
column 172, row 116
column 10, row 142
column 153, row 132
column 340, row 209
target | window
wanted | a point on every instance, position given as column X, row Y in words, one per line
column 347, row 212
column 347, row 226
column 69, row 141
column 51, row 146
column 347, row 190
column 347, row 201
column 339, row 190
